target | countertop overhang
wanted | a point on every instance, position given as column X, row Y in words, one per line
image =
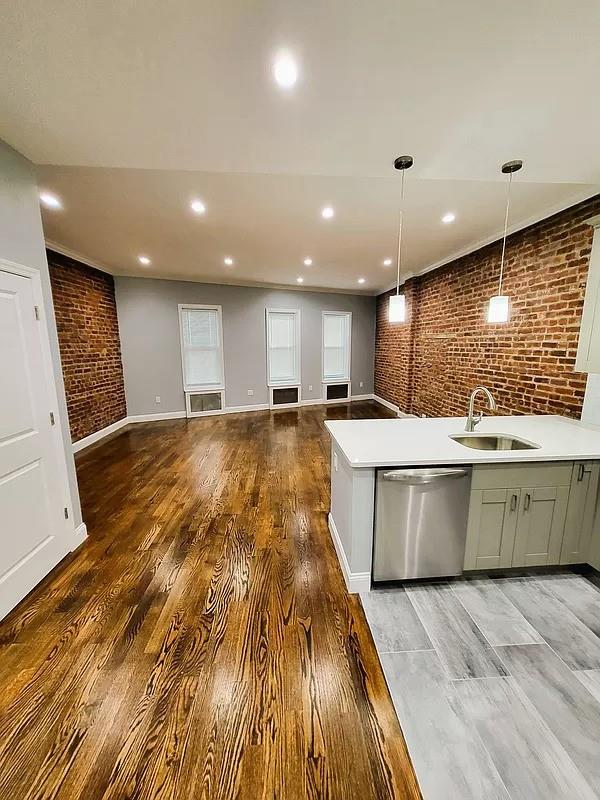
column 414, row 441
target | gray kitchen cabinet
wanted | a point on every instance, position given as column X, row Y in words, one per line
column 540, row 526
column 491, row 528
column 579, row 522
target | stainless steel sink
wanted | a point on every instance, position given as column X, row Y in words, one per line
column 493, row 441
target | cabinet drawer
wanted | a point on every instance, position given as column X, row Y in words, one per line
column 514, row 476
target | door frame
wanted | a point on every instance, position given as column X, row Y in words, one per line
column 76, row 534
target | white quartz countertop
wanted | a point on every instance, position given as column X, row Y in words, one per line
column 417, row 441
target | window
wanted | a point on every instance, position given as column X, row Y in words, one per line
column 283, row 347
column 201, row 347
column 337, row 328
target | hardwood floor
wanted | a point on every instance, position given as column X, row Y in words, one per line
column 201, row 643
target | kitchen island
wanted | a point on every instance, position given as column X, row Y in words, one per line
column 360, row 447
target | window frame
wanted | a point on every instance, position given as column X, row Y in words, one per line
column 347, row 377
column 199, row 388
column 297, row 380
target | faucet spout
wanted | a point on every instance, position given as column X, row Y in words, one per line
column 472, row 418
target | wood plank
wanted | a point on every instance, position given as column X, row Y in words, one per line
column 201, row 643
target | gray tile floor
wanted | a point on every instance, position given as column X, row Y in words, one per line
column 496, row 683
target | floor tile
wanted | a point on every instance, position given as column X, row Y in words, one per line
column 565, row 633
column 447, row 753
column 460, row 644
column 578, row 595
column 494, row 614
column 591, row 680
column 393, row 621
column 531, row 762
column 569, row 710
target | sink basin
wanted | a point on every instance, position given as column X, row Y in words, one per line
column 493, row 441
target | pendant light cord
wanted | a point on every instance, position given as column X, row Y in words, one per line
column 400, row 234
column 505, row 230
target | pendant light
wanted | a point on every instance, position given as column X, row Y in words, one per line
column 397, row 307
column 499, row 308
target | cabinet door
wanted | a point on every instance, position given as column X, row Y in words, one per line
column 540, row 526
column 580, row 513
column 491, row 528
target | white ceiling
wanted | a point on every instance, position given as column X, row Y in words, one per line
column 134, row 108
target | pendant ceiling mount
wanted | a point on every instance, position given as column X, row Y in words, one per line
column 403, row 162
column 512, row 166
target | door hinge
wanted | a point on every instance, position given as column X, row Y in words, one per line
column 66, row 513
column 52, row 418
column 37, row 312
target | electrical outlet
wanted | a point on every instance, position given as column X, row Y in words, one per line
column 157, row 399
column 361, row 384
column 250, row 392
column 310, row 388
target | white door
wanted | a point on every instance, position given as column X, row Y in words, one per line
column 33, row 533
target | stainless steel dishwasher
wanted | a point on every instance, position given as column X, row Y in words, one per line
column 420, row 522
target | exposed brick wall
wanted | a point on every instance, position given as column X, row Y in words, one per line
column 430, row 364
column 90, row 350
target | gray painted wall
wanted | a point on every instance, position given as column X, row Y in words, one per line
column 149, row 330
column 22, row 241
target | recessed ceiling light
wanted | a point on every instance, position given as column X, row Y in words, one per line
column 449, row 217
column 228, row 260
column 361, row 280
column 300, row 280
column 307, row 262
column 327, row 212
column 285, row 71
column 50, row 200
column 144, row 260
column 198, row 206
column 387, row 262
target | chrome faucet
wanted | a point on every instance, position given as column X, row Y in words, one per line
column 474, row 419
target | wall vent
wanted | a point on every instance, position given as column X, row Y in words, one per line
column 200, row 403
column 285, row 396
column 337, row 391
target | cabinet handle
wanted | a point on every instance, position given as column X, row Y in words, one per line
column 580, row 472
column 513, row 502
column 527, row 502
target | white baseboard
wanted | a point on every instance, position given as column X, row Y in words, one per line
column 157, row 417
column 386, row 403
column 98, row 435
column 242, row 409
column 356, row 582
column 95, row 437
column 79, row 536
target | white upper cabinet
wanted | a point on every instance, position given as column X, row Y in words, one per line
column 588, row 351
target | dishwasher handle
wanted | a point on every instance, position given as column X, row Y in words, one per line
column 421, row 476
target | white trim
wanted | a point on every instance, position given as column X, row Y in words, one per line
column 50, row 379
column 347, row 375
column 338, row 400
column 386, row 403
column 495, row 237
column 80, row 444
column 79, row 536
column 156, row 417
column 188, row 403
column 75, row 256
column 241, row 409
column 205, row 387
column 297, row 379
column 355, row 581
column 274, row 406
